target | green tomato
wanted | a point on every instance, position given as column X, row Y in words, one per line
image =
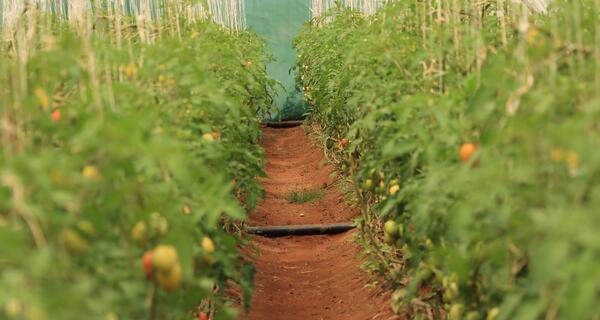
column 451, row 292
column 424, row 274
column 456, row 311
column 493, row 314
column 391, row 228
column 472, row 315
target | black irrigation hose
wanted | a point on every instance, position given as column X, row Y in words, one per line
column 301, row 230
column 283, row 124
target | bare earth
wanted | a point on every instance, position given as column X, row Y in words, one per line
column 308, row 277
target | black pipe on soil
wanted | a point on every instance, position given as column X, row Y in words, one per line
column 301, row 230
column 283, row 124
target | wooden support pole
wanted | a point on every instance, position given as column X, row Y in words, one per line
column 301, row 230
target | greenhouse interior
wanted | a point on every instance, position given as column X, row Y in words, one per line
column 300, row 159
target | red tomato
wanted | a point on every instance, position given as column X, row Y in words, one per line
column 147, row 264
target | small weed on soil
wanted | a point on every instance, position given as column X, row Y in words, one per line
column 304, row 195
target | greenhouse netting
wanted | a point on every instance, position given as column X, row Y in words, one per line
column 279, row 24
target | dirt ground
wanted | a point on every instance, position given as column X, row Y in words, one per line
column 306, row 277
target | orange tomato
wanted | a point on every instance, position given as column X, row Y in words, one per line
column 202, row 316
column 55, row 115
column 466, row 151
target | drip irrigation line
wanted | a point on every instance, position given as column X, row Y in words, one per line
column 283, row 124
column 301, row 230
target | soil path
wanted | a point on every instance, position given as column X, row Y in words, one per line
column 307, row 277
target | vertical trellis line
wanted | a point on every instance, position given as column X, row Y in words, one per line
column 319, row 7
column 229, row 13
column 1, row 14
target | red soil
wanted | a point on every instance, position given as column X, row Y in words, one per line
column 307, row 277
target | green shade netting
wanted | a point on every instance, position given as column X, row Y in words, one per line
column 278, row 22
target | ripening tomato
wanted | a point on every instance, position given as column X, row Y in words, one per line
column 55, row 115
column 208, row 245
column 164, row 258
column 147, row 264
column 466, row 151
column 202, row 316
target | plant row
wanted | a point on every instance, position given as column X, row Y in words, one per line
column 469, row 131
column 129, row 156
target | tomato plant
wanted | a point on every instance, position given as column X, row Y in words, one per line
column 511, row 236
column 105, row 163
